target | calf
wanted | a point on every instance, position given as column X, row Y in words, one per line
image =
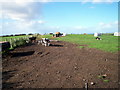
column 98, row 38
column 44, row 41
column 32, row 39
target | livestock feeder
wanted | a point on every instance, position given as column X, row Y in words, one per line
column 4, row 46
column 57, row 34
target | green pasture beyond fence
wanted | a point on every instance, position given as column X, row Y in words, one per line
column 15, row 41
column 108, row 43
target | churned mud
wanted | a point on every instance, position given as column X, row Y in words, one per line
column 61, row 65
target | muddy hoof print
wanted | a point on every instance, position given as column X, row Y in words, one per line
column 69, row 77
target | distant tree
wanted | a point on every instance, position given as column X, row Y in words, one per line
column 30, row 34
column 51, row 33
column 11, row 35
column 17, row 35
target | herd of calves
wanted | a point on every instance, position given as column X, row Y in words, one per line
column 6, row 45
column 43, row 41
column 46, row 41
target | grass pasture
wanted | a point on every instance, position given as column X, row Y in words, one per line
column 108, row 43
column 12, row 37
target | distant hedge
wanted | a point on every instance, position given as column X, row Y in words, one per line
column 13, row 35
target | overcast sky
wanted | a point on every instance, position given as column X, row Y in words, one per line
column 45, row 16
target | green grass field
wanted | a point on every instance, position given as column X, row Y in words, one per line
column 108, row 43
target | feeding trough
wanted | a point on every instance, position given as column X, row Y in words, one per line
column 5, row 45
column 57, row 34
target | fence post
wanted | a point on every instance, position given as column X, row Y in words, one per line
column 11, row 43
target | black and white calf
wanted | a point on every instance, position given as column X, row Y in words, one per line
column 32, row 39
column 44, row 41
column 98, row 38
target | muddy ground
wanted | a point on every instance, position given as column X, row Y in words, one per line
column 61, row 65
